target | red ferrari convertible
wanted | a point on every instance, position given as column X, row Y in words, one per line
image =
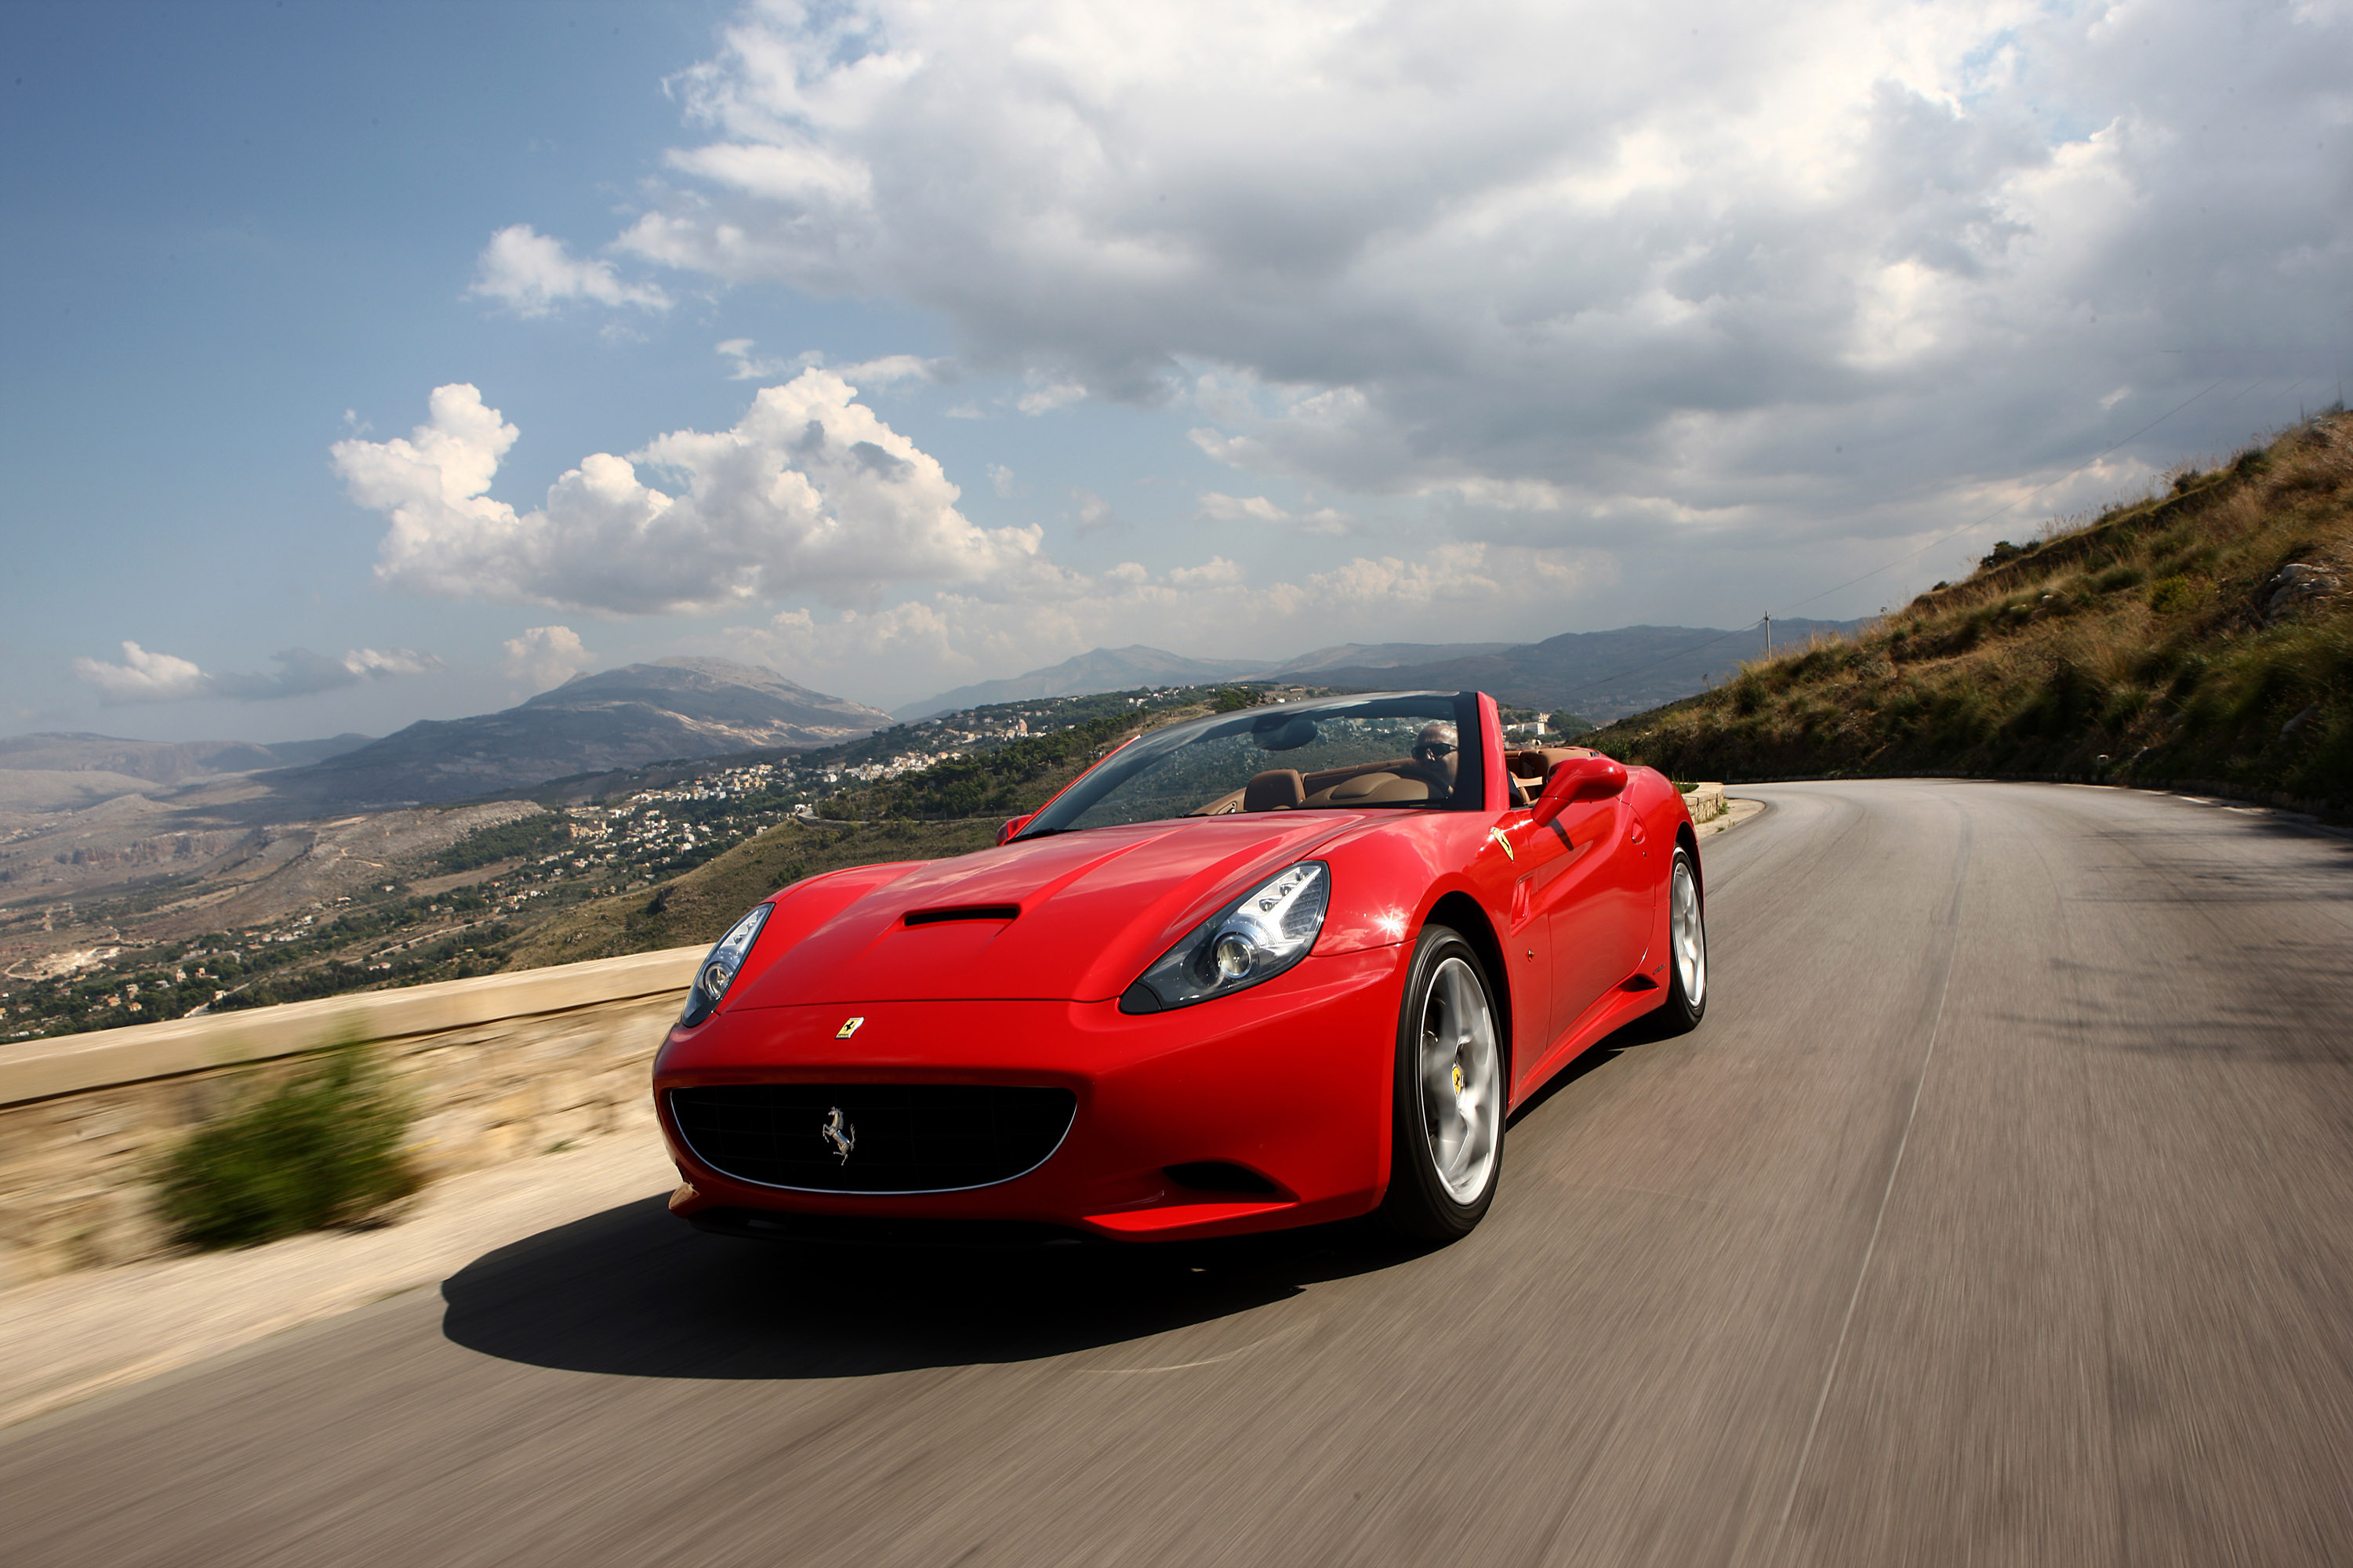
column 1266, row 968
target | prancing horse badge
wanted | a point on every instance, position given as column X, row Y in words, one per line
column 848, row 1029
column 839, row 1135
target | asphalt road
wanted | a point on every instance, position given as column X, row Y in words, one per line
column 2000, row 1212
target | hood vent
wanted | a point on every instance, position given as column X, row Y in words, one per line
column 967, row 912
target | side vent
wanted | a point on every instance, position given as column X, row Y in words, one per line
column 1217, row 1176
column 968, row 912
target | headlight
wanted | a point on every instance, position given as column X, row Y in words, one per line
column 1255, row 938
column 717, row 973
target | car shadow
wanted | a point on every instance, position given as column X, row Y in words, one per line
column 635, row 1292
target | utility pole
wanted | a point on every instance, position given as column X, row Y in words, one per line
column 1768, row 637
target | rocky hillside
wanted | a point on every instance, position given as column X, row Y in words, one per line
column 2202, row 635
column 675, row 708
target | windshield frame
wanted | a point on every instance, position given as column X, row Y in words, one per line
column 1081, row 793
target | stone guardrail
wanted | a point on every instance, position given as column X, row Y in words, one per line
column 498, row 1065
column 1706, row 802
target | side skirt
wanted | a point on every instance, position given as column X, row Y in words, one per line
column 1618, row 1007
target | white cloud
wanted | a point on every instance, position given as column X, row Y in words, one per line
column 1094, row 514
column 1570, row 263
column 145, row 676
column 891, row 369
column 530, row 274
column 886, row 370
column 1221, row 508
column 809, row 492
column 1000, row 478
column 1217, row 571
column 1049, row 395
column 547, row 655
column 375, row 664
column 1328, row 523
column 749, row 366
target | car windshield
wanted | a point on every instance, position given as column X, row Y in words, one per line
column 1403, row 751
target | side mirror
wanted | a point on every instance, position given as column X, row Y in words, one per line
column 1014, row 824
column 1578, row 779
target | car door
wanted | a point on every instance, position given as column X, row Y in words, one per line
column 1597, row 904
column 1537, row 857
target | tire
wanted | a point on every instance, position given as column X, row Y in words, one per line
column 1450, row 1102
column 1686, row 1001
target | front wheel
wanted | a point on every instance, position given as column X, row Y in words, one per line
column 1447, row 1144
column 1686, row 949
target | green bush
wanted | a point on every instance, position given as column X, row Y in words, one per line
column 324, row 1149
column 524, row 835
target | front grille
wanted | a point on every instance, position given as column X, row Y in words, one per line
column 902, row 1137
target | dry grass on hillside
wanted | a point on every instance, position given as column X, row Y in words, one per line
column 2154, row 643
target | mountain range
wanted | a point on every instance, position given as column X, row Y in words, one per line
column 55, row 772
column 639, row 713
column 161, row 761
column 1598, row 676
column 678, row 708
column 1126, row 668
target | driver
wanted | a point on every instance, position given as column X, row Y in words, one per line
column 1436, row 755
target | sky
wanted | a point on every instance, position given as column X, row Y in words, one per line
column 364, row 365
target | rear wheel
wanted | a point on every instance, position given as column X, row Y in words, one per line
column 1686, row 949
column 1447, row 1147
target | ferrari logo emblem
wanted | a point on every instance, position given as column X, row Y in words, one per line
column 1458, row 1078
column 1503, row 841
column 848, row 1029
column 840, row 1136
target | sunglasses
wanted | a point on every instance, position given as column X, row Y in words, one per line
column 1430, row 750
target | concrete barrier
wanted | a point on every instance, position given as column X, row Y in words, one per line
column 498, row 1065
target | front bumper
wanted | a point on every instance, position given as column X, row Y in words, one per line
column 1290, row 1080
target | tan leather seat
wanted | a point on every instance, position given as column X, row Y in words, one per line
column 1539, row 762
column 1377, row 786
column 1277, row 789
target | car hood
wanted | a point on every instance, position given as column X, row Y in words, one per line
column 1094, row 908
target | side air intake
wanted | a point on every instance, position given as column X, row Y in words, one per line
column 1217, row 1176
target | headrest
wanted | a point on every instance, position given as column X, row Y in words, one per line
column 1277, row 789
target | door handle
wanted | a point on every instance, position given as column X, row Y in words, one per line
column 1636, row 833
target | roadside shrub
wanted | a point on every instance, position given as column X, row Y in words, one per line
column 2124, row 704
column 324, row 1149
column 2172, row 595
